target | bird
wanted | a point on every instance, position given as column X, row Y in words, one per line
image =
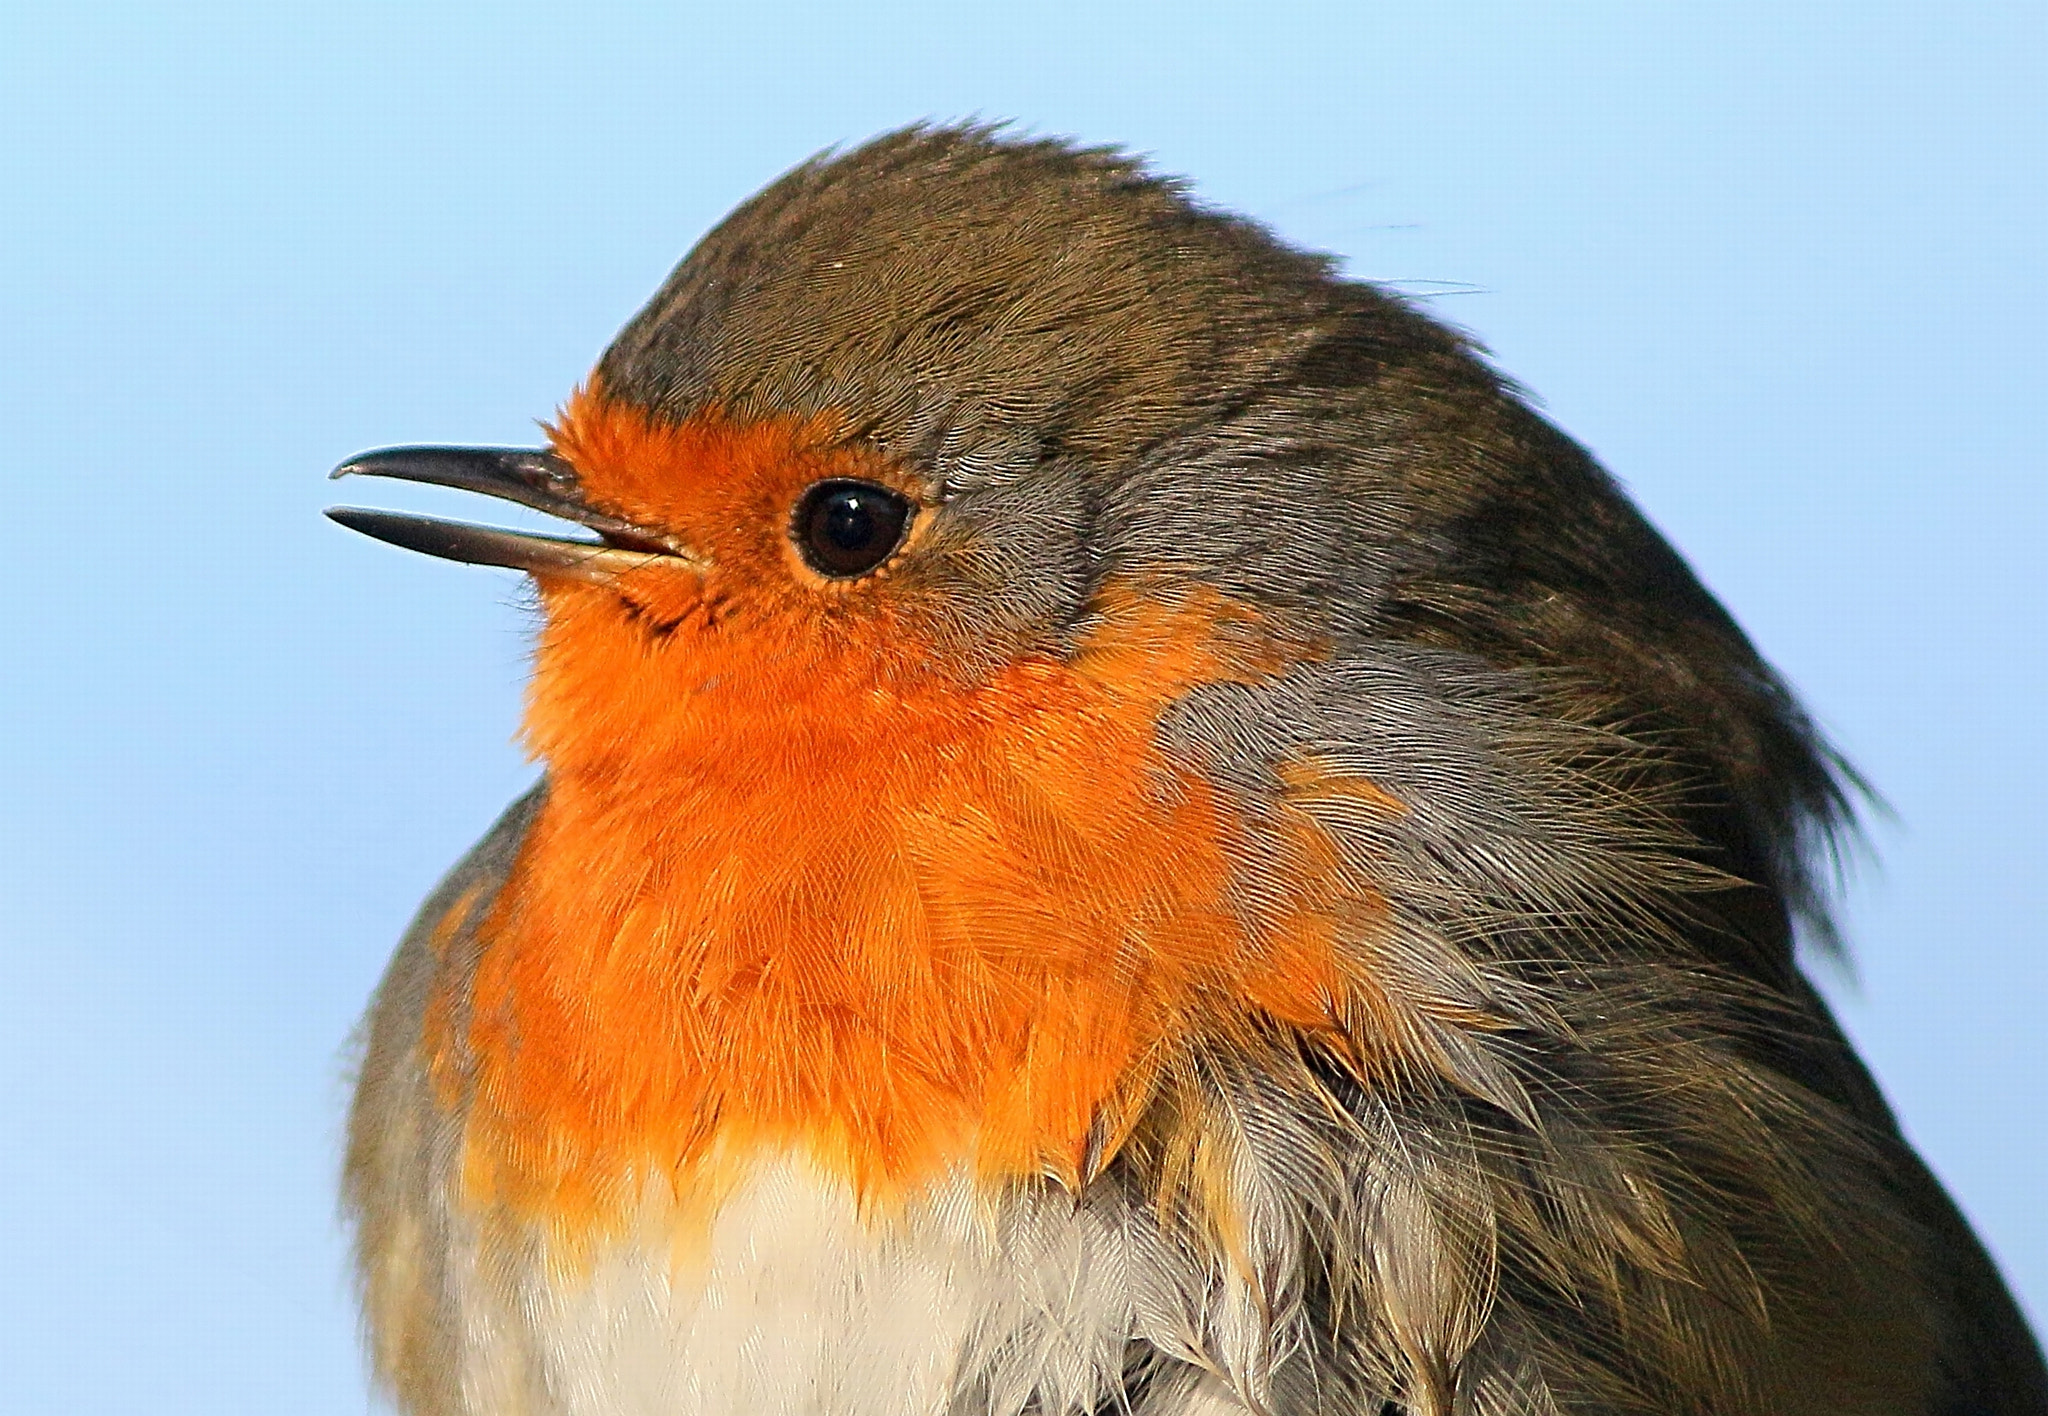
column 1124, row 829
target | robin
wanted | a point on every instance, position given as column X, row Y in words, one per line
column 1125, row 830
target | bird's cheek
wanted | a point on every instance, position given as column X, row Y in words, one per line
column 659, row 599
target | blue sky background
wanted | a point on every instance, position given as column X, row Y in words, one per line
column 1779, row 265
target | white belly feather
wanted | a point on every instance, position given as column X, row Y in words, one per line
column 796, row 1306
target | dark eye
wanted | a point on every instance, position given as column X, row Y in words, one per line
column 846, row 528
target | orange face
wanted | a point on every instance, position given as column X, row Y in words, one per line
column 807, row 880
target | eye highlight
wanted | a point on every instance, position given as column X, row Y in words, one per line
column 845, row 528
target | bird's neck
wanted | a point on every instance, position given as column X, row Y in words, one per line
column 904, row 934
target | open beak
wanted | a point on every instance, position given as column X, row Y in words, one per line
column 532, row 477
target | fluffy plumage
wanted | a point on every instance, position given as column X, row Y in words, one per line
column 1280, row 897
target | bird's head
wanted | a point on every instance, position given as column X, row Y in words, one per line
column 1041, row 632
column 887, row 425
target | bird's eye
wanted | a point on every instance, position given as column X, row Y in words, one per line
column 846, row 528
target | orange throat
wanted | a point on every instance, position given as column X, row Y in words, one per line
column 785, row 896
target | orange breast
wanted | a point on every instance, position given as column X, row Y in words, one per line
column 897, row 922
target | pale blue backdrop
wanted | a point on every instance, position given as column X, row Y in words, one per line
column 1781, row 265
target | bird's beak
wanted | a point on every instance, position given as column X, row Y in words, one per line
column 531, row 477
